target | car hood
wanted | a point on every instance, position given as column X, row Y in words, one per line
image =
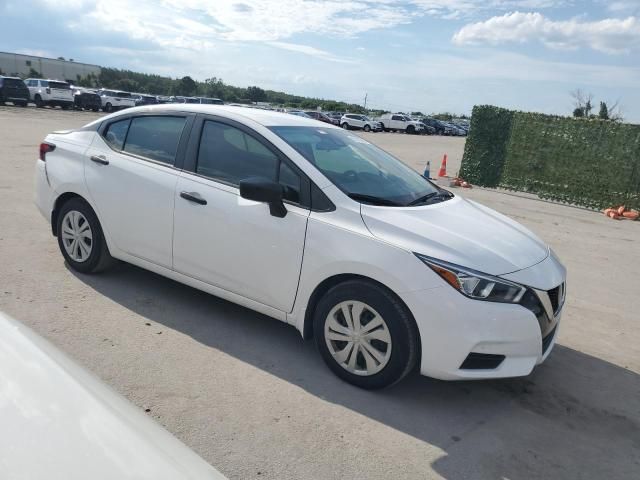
column 458, row 231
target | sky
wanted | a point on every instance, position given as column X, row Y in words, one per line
column 413, row 55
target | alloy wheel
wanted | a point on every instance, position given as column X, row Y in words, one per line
column 357, row 338
column 77, row 237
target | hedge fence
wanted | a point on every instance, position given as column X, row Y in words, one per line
column 591, row 163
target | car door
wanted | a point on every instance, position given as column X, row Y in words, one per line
column 131, row 172
column 230, row 242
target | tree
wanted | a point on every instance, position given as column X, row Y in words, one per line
column 582, row 103
column 186, row 86
column 256, row 94
column 33, row 73
column 603, row 114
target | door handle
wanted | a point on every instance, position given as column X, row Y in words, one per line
column 193, row 197
column 101, row 159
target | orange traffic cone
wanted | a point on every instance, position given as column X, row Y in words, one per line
column 443, row 167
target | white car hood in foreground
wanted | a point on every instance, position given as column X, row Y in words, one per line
column 458, row 231
column 58, row 422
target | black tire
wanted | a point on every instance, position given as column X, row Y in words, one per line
column 38, row 101
column 22, row 104
column 411, row 130
column 345, row 125
column 108, row 107
column 367, row 128
column 95, row 109
column 99, row 258
column 65, row 106
column 401, row 326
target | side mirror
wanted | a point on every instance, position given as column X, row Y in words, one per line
column 265, row 191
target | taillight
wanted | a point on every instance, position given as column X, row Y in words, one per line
column 44, row 149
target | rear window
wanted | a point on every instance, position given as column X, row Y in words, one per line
column 156, row 138
column 11, row 82
column 59, row 85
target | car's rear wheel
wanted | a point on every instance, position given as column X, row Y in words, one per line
column 80, row 237
column 367, row 128
column 38, row 101
column 365, row 334
column 108, row 107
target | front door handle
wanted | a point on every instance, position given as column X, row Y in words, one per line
column 101, row 159
column 193, row 197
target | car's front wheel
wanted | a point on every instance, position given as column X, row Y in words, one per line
column 365, row 334
column 345, row 126
column 367, row 128
column 80, row 237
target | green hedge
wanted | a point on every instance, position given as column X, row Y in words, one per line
column 591, row 163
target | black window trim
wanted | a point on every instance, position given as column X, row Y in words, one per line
column 191, row 157
column 182, row 143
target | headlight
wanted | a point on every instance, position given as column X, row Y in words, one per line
column 476, row 285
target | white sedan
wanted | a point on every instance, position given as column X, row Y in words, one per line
column 59, row 422
column 312, row 225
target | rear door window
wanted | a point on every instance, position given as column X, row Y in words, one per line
column 59, row 85
column 156, row 138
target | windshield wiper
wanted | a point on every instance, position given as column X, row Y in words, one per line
column 441, row 194
column 361, row 197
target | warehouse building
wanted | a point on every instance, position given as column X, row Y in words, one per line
column 16, row 64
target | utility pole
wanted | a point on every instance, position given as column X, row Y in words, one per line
column 365, row 101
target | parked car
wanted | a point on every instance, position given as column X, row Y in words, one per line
column 112, row 100
column 455, row 129
column 428, row 130
column 335, row 116
column 210, row 101
column 163, row 99
column 440, row 127
column 14, row 90
column 322, row 117
column 180, row 99
column 352, row 121
column 86, row 99
column 59, row 421
column 298, row 113
column 144, row 99
column 399, row 122
column 311, row 225
column 50, row 92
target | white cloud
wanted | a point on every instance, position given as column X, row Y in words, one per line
column 312, row 51
column 611, row 35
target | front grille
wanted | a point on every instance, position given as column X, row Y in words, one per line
column 554, row 296
column 481, row 361
column 546, row 341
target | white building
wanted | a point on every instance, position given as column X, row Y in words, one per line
column 16, row 64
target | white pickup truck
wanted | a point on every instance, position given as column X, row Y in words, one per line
column 400, row 122
column 115, row 100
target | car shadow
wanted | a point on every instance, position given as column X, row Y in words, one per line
column 576, row 416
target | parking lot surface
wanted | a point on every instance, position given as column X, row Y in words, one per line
column 256, row 401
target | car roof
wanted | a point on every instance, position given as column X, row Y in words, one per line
column 267, row 118
column 10, row 78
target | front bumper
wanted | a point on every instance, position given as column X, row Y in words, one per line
column 453, row 326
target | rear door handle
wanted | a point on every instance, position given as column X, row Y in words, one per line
column 193, row 197
column 101, row 159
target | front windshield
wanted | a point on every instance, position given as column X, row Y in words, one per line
column 357, row 167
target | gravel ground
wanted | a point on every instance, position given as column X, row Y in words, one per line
column 252, row 398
